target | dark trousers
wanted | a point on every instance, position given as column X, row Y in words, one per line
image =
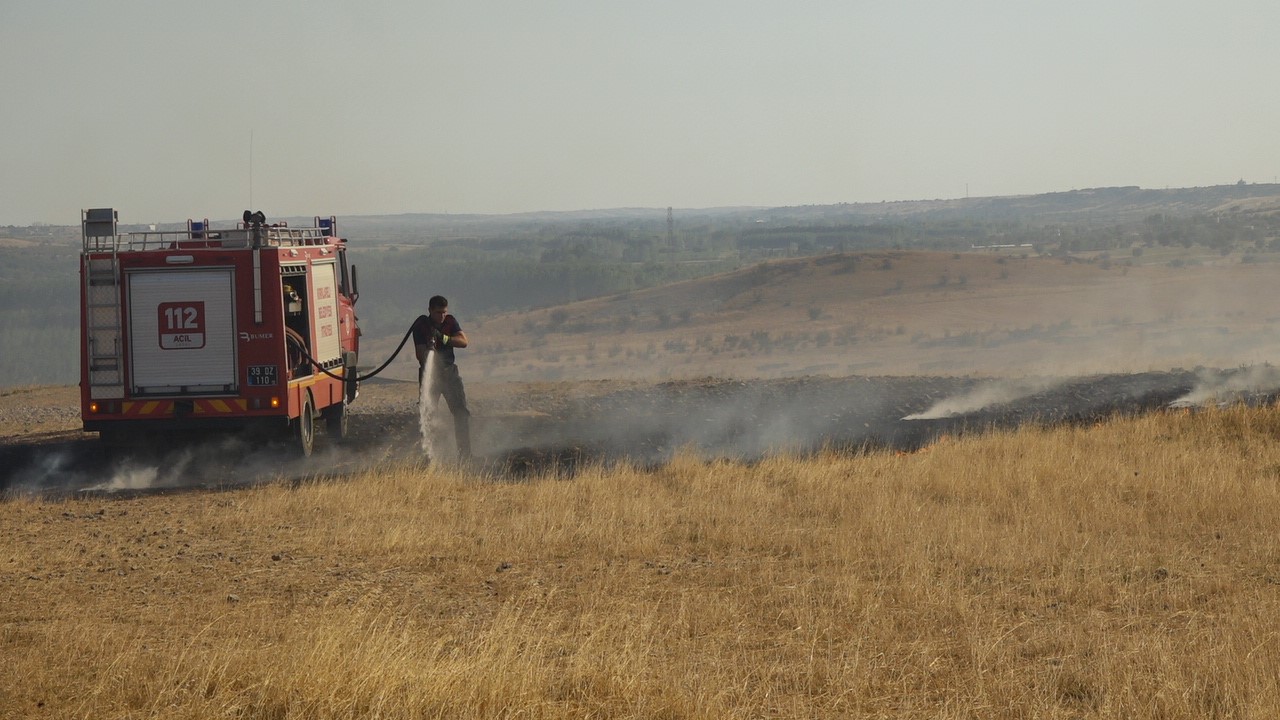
column 448, row 382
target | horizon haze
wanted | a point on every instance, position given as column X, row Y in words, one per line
column 184, row 110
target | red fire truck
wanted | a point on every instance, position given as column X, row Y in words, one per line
column 249, row 328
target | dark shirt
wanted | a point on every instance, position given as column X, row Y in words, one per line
column 422, row 328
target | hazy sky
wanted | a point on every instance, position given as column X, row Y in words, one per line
column 168, row 109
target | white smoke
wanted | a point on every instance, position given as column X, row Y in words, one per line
column 130, row 475
column 1214, row 388
column 720, row 418
column 129, row 478
column 43, row 472
column 87, row 467
column 987, row 395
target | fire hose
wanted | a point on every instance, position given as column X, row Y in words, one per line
column 316, row 363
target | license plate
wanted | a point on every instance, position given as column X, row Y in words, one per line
column 262, row 375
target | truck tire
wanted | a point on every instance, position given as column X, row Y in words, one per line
column 305, row 434
column 336, row 421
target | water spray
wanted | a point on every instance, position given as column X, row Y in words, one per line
column 426, row 404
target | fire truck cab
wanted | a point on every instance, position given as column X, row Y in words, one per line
column 251, row 327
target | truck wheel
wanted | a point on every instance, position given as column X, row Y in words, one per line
column 336, row 418
column 306, row 432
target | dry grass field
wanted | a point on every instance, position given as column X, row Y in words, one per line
column 1124, row 570
column 1128, row 568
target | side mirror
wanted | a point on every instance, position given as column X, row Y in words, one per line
column 355, row 286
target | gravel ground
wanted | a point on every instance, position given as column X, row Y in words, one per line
column 26, row 410
column 520, row 429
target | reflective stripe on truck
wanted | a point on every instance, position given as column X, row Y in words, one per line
column 202, row 406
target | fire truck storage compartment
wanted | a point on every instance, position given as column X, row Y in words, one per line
column 307, row 308
column 182, row 331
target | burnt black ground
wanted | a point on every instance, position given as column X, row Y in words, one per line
column 747, row 420
column 532, row 431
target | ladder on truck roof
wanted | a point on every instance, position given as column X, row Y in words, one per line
column 105, row 351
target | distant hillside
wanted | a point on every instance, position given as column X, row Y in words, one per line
column 492, row 267
column 1092, row 205
column 1089, row 205
column 901, row 313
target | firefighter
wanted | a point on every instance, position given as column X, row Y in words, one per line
column 439, row 331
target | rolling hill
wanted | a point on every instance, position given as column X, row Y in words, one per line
column 897, row 313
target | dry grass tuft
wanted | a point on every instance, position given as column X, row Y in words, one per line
column 1125, row 570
